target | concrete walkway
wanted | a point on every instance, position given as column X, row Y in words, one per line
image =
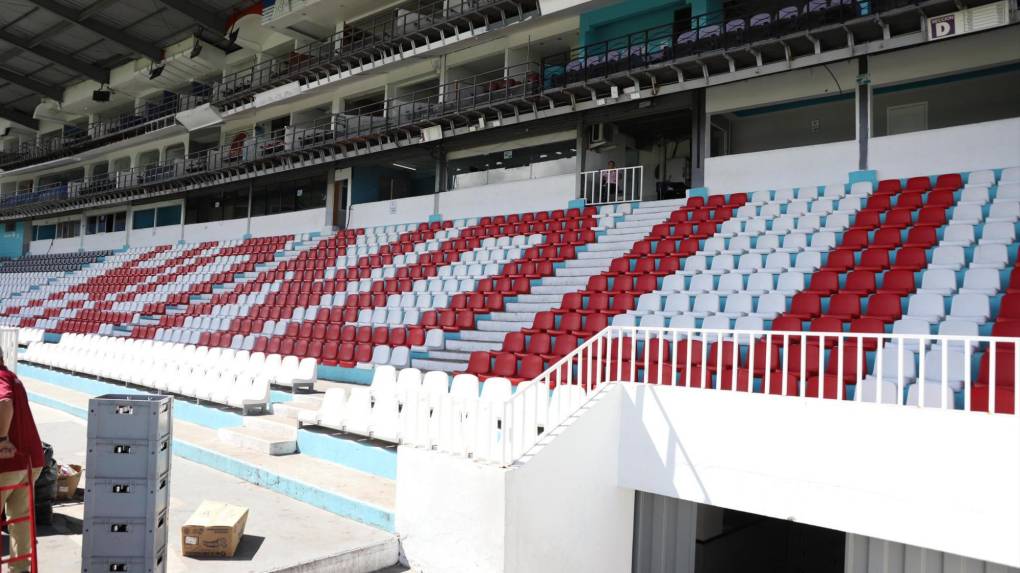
column 281, row 533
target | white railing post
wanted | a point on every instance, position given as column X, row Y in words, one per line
column 609, row 186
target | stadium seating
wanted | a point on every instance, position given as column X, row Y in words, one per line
column 506, row 297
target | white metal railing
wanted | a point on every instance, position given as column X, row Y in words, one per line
column 618, row 185
column 966, row 373
column 9, row 347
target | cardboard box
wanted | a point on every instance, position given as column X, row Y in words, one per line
column 67, row 485
column 214, row 530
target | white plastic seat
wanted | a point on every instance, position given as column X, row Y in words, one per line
column 990, row 256
column 973, row 307
column 947, row 257
column 769, row 305
column 929, row 307
column 981, row 281
column 464, row 386
column 938, row 281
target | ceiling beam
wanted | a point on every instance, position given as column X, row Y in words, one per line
column 111, row 33
column 52, row 92
column 19, row 117
column 212, row 23
column 207, row 19
column 99, row 74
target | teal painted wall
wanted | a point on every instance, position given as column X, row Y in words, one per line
column 626, row 17
column 623, row 18
column 11, row 244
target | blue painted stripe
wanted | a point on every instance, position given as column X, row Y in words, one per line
column 292, row 488
column 363, row 457
column 201, row 415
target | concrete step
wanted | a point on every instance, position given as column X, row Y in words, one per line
column 559, row 280
column 264, row 440
column 451, row 356
column 508, row 316
column 441, row 365
column 294, row 407
column 454, row 346
column 482, row 336
column 601, row 254
column 529, row 307
column 558, row 290
column 503, row 326
column 538, row 297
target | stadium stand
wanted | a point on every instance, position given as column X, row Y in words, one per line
column 507, row 297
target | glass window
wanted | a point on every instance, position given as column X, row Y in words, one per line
column 144, row 219
column 166, row 216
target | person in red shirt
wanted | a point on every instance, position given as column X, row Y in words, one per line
column 19, row 443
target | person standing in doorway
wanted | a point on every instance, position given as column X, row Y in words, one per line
column 610, row 180
column 19, row 443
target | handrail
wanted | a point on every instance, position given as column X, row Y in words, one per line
column 972, row 373
column 429, row 105
column 370, row 39
column 143, row 118
column 617, row 185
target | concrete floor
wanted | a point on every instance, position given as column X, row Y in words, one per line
column 281, row 532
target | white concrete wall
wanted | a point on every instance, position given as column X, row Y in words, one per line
column 395, row 212
column 48, row 246
column 215, row 230
column 564, row 510
column 450, row 512
column 101, row 241
column 808, row 165
column 307, row 221
column 560, row 511
column 542, row 194
column 779, row 88
column 924, row 477
column 155, row 236
column 986, row 145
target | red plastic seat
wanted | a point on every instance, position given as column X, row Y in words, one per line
column 544, row 321
column 823, row 283
column 845, row 306
column 805, row 306
column 860, row 282
column 886, row 307
column 910, row 258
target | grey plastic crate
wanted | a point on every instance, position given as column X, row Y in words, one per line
column 132, row 459
column 129, row 416
column 106, row 497
column 128, row 536
column 127, row 489
column 126, row 564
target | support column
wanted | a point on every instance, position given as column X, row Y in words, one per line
column 250, row 187
column 699, row 138
column 441, row 178
column 581, row 149
column 863, row 111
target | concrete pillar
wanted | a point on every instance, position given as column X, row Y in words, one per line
column 699, row 137
column 581, row 147
column 863, row 111
column 441, row 178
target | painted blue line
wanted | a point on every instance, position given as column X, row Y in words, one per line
column 201, row 415
column 363, row 457
column 294, row 489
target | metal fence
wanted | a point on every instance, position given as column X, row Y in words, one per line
column 952, row 373
column 619, row 185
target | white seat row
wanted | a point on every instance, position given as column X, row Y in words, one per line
column 429, row 409
column 238, row 379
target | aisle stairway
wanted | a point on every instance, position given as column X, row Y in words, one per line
column 616, row 236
